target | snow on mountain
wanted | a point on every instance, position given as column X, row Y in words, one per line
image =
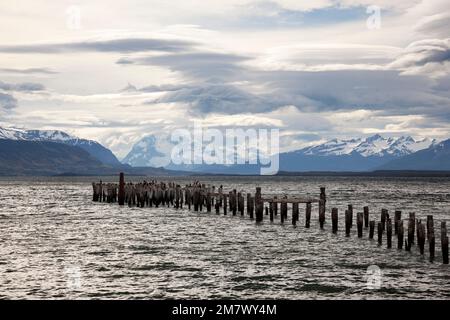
column 94, row 148
column 332, row 147
column 35, row 135
column 372, row 146
column 151, row 151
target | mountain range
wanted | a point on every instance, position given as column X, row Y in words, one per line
column 359, row 154
column 54, row 152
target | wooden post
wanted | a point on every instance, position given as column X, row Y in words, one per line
column 321, row 213
column 389, row 233
column 430, row 235
column 224, row 204
column 266, row 210
column 384, row 213
column 397, row 218
column 294, row 213
column 283, row 210
column 122, row 189
column 259, row 205
column 308, row 214
column 322, row 202
column 444, row 243
column 94, row 192
column 208, row 202
column 359, row 223
column 371, row 229
column 271, row 212
column 411, row 228
column 334, row 219
column 248, row 203
column 241, row 203
column 196, row 198
column 275, row 206
column 233, row 199
column 347, row 223
column 366, row 217
column 380, row 233
column 217, row 207
column 400, row 235
column 323, row 197
column 252, row 207
column 421, row 236
column 430, row 226
column 350, row 210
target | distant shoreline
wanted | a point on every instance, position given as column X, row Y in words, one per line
column 384, row 173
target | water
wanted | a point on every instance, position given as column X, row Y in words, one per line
column 57, row 243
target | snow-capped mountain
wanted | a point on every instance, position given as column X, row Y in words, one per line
column 92, row 147
column 358, row 154
column 372, row 146
column 150, row 151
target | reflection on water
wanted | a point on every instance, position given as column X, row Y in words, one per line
column 56, row 243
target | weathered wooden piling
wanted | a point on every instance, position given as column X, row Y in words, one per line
column 321, row 213
column 411, row 228
column 121, row 194
column 217, row 207
column 271, row 211
column 421, row 236
column 259, row 205
column 430, row 237
column 275, row 206
column 400, row 234
column 444, row 242
column 334, row 220
column 307, row 214
column 359, row 223
column 208, row 202
column 384, row 213
column 366, row 217
column 380, row 233
column 389, row 233
column 397, row 218
column 350, row 210
column 430, row 226
column 248, row 203
column 283, row 210
column 196, row 199
column 241, row 203
column 348, row 223
column 322, row 207
column 233, row 199
column 294, row 213
column 371, row 229
column 224, row 197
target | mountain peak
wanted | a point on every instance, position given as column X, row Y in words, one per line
column 94, row 148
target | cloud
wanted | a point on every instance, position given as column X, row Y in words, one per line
column 28, row 71
column 194, row 64
column 7, row 101
column 436, row 24
column 218, row 98
column 22, row 87
column 127, row 45
column 430, row 57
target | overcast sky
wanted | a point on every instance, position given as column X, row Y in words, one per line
column 116, row 71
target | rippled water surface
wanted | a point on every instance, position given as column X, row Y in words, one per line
column 57, row 243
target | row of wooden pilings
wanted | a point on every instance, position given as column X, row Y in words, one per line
column 198, row 196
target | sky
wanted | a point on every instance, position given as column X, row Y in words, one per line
column 117, row 71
